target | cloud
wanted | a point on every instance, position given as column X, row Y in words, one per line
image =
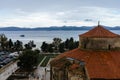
column 75, row 17
column 36, row 19
column 107, row 16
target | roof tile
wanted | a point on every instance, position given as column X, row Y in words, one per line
column 99, row 32
column 100, row 64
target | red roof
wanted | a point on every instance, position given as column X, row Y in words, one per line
column 99, row 64
column 99, row 32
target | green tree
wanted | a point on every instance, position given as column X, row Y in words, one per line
column 27, row 46
column 10, row 43
column 30, row 45
column 71, row 44
column 44, row 47
column 50, row 48
column 71, row 39
column 56, row 42
column 3, row 41
column 62, row 48
column 18, row 45
column 66, row 43
column 28, row 59
column 76, row 44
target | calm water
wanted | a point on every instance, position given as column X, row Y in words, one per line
column 39, row 36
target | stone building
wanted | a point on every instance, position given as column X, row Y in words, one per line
column 99, row 38
column 96, row 58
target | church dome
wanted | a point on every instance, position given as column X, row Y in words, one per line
column 99, row 32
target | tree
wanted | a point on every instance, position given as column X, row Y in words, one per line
column 71, row 39
column 3, row 41
column 71, row 44
column 18, row 45
column 66, row 43
column 27, row 46
column 44, row 47
column 10, row 43
column 76, row 44
column 57, row 46
column 50, row 48
column 30, row 45
column 28, row 60
column 61, row 47
column 56, row 42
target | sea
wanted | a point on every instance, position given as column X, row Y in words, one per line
column 40, row 36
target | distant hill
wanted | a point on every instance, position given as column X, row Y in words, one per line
column 65, row 28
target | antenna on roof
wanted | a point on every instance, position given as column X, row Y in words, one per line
column 98, row 23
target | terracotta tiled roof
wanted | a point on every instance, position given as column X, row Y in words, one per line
column 99, row 64
column 99, row 32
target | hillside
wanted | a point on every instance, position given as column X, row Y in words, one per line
column 66, row 28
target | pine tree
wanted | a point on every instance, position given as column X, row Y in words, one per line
column 66, row 43
column 10, row 43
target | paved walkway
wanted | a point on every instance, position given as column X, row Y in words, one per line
column 41, row 73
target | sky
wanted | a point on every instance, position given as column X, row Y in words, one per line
column 46, row 13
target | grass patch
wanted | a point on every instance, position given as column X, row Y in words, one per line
column 41, row 57
column 48, row 56
column 44, row 63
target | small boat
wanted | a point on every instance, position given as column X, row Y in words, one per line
column 22, row 35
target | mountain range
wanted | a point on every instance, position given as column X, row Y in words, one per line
column 55, row 28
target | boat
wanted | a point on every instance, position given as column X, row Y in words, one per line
column 22, row 35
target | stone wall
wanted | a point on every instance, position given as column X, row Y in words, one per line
column 7, row 70
column 99, row 43
column 69, row 72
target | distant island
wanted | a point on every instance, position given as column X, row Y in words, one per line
column 55, row 28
